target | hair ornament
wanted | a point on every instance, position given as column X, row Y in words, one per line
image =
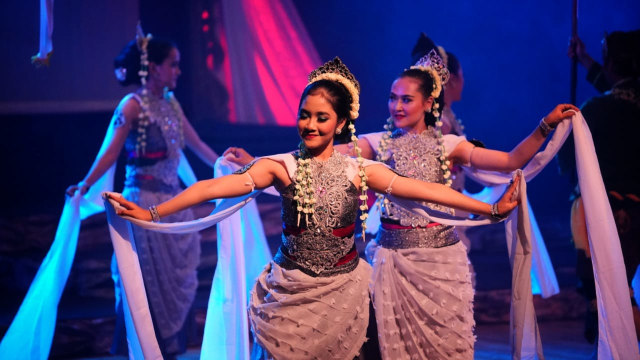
column 336, row 70
column 121, row 73
column 142, row 41
column 444, row 56
column 436, row 68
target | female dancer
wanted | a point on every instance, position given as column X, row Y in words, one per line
column 312, row 300
column 421, row 288
column 152, row 128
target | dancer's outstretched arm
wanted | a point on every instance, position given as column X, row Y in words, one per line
column 111, row 145
column 487, row 159
column 262, row 174
column 383, row 180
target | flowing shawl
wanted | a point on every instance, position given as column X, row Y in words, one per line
column 31, row 332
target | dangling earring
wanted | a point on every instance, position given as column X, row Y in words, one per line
column 338, row 131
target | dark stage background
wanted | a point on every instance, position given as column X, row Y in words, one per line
column 513, row 56
column 53, row 119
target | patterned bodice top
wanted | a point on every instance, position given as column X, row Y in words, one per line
column 155, row 169
column 318, row 244
column 415, row 156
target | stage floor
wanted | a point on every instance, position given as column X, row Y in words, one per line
column 562, row 340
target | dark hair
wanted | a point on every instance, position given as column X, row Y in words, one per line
column 453, row 65
column 129, row 58
column 422, row 47
column 340, row 101
column 425, row 87
column 622, row 50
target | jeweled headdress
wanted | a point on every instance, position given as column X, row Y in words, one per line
column 435, row 67
column 336, row 70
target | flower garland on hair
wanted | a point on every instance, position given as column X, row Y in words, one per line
column 144, row 119
column 336, row 71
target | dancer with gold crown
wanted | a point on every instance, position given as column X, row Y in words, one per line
column 312, row 301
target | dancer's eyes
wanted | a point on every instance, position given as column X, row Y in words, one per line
column 304, row 115
column 403, row 99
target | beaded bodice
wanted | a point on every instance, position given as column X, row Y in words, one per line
column 313, row 244
column 156, row 168
column 415, row 156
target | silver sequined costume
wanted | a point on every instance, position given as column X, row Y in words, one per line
column 421, row 287
column 312, row 301
column 168, row 262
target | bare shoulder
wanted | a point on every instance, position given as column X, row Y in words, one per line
column 130, row 106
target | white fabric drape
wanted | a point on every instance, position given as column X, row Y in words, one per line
column 31, row 331
column 242, row 254
column 617, row 337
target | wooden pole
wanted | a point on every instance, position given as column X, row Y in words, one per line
column 574, row 61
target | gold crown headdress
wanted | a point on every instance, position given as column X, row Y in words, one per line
column 336, row 70
column 432, row 64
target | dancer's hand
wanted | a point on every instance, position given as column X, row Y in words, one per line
column 507, row 201
column 238, row 156
column 130, row 208
column 559, row 113
column 82, row 186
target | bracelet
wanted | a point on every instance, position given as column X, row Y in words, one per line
column 389, row 188
column 495, row 213
column 250, row 182
column 155, row 217
column 545, row 129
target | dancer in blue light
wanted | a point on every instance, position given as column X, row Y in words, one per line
column 151, row 127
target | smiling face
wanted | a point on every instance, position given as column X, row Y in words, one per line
column 407, row 104
column 166, row 73
column 318, row 122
